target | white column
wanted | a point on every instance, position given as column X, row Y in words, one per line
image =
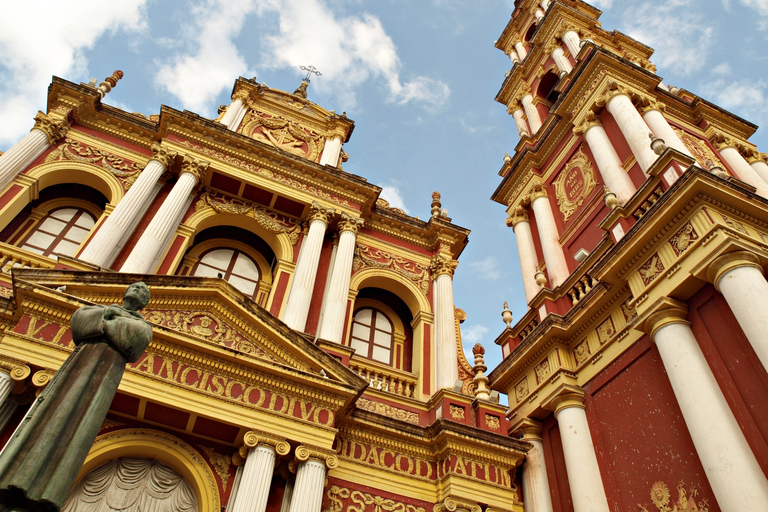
column 303, row 283
column 6, row 386
column 526, row 251
column 236, row 111
column 520, row 47
column 253, row 491
column 539, row 15
column 662, row 129
column 235, row 487
column 7, row 410
column 331, row 152
column 563, row 64
column 733, row 473
column 522, row 125
column 285, row 506
column 446, row 369
column 109, row 240
column 557, row 268
column 533, row 115
column 634, row 129
column 573, row 42
column 544, row 4
column 46, row 132
column 308, row 489
column 739, row 277
column 587, row 491
column 514, row 57
column 536, row 497
column 608, row 163
column 152, row 242
column 760, row 167
column 743, row 170
column 335, row 301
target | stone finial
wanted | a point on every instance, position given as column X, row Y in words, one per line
column 507, row 158
column 541, row 279
column 611, row 201
column 436, row 209
column 109, row 83
column 657, row 145
column 506, row 315
column 482, row 391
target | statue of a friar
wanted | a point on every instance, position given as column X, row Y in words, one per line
column 41, row 461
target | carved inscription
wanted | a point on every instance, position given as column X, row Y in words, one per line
column 201, row 380
column 381, row 457
column 574, row 184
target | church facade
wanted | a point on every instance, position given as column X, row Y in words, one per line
column 307, row 350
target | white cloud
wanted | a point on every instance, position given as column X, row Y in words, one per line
column 391, row 194
column 681, row 34
column 744, row 97
column 41, row 38
column 473, row 333
column 602, row 4
column 348, row 50
column 761, row 8
column 487, row 269
column 197, row 78
column 722, row 69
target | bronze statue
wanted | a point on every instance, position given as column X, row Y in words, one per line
column 41, row 461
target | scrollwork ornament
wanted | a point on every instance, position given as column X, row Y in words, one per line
column 20, row 373
column 304, row 453
column 53, row 128
column 454, row 504
column 252, row 438
column 42, row 378
column 195, row 167
column 575, row 183
column 442, row 266
column 163, row 155
column 350, row 223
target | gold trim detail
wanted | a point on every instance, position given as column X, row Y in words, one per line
column 651, row 269
column 268, row 219
column 220, row 464
column 366, row 256
column 281, row 133
column 457, row 412
column 304, row 453
column 362, row 501
column 126, row 172
column 683, row 239
column 542, row 371
column 454, row 504
column 442, row 266
column 699, row 149
column 493, row 422
column 388, row 411
column 254, row 438
column 195, row 167
column 54, row 128
column 582, row 352
column 686, row 500
column 582, row 185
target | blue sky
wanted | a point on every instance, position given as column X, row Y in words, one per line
column 418, row 77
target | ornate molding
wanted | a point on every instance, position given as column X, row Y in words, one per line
column 220, row 464
column 125, row 171
column 730, row 261
column 387, row 410
column 442, row 266
column 519, row 214
column 266, row 218
column 54, row 127
column 538, row 190
column 284, row 134
column 364, row 502
column 574, row 184
column 163, row 155
column 350, row 223
column 195, row 167
column 319, row 212
column 454, row 504
column 686, row 500
column 253, row 438
column 328, row 457
column 366, row 256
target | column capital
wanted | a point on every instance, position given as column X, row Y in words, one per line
column 319, row 212
column 195, row 167
column 254, row 438
column 590, row 120
column 514, row 106
column 519, row 214
column 664, row 312
column 614, row 89
column 729, row 261
column 163, row 155
column 646, row 103
column 17, row 371
column 722, row 141
column 456, row 504
column 54, row 127
column 528, row 430
column 565, row 396
column 350, row 223
column 328, row 457
column 241, row 95
column 441, row 265
column 539, row 190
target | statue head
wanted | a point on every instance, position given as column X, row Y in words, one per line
column 136, row 296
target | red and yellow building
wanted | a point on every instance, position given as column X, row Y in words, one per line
column 307, row 349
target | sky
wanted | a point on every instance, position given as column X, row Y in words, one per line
column 418, row 77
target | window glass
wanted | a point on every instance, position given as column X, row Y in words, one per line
column 239, row 269
column 372, row 335
column 60, row 232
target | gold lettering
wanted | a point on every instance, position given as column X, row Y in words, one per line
column 303, row 412
column 218, row 384
column 230, row 387
column 33, row 330
column 460, row 469
column 147, row 365
column 185, row 373
column 167, row 367
column 201, row 384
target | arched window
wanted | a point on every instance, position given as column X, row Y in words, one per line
column 233, row 265
column 60, row 231
column 372, row 335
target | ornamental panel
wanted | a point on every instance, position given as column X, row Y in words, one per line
column 574, row 184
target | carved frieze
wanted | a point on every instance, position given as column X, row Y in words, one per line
column 699, row 149
column 686, row 499
column 268, row 219
column 542, row 371
column 366, row 256
column 651, row 269
column 124, row 170
column 582, row 352
column 683, row 239
column 220, row 464
column 284, row 134
column 388, row 411
column 342, row 499
column 605, row 330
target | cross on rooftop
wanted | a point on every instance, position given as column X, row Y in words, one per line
column 310, row 71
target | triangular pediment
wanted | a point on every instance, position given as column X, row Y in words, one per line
column 204, row 316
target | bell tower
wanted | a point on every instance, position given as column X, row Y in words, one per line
column 627, row 197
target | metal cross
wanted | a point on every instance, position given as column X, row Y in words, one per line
column 310, row 71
